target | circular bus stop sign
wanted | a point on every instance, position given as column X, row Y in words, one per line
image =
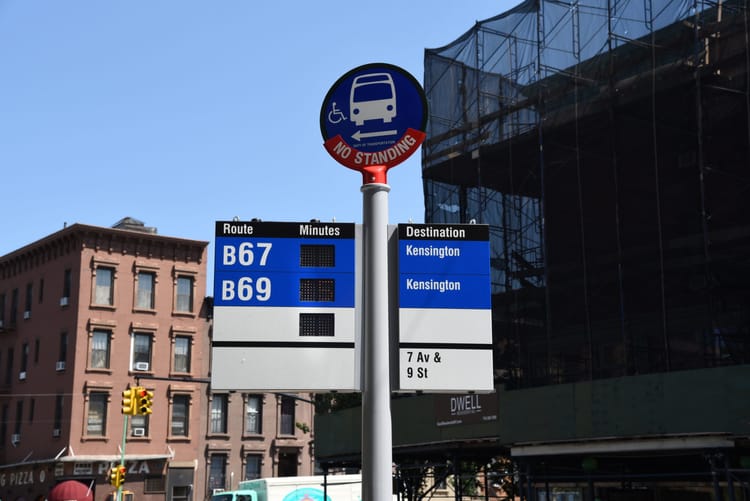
column 374, row 118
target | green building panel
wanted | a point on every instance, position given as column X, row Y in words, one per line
column 650, row 406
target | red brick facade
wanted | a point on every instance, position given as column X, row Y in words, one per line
column 88, row 311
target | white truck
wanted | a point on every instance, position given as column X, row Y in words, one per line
column 313, row 488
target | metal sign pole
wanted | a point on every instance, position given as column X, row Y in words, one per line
column 377, row 457
column 373, row 118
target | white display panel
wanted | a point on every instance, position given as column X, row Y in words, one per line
column 425, row 325
column 284, row 369
column 279, row 324
column 445, row 369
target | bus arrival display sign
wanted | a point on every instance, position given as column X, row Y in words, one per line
column 374, row 118
column 285, row 306
column 445, row 308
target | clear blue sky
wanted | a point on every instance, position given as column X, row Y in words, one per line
column 183, row 112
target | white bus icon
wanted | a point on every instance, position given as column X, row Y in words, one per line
column 373, row 97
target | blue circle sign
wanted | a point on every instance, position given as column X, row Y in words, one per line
column 374, row 118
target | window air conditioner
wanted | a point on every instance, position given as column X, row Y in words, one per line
column 15, row 438
column 26, row 315
column 56, row 432
column 141, row 366
column 139, row 432
column 64, row 301
column 22, row 375
column 60, row 365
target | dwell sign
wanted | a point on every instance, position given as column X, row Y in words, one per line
column 460, row 409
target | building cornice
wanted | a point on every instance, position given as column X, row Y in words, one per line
column 76, row 237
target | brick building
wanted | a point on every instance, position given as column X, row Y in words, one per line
column 84, row 313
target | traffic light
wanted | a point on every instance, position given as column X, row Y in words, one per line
column 144, row 401
column 117, row 475
column 129, row 401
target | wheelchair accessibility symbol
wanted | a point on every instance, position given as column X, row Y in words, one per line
column 335, row 115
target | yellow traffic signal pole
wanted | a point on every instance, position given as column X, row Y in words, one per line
column 122, row 453
column 128, row 409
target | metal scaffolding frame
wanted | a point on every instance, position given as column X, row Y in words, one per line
column 529, row 101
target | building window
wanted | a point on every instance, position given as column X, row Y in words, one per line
column 96, row 418
column 29, row 301
column 252, row 466
column 217, row 472
column 2, row 310
column 9, row 367
column 84, row 468
column 181, row 492
column 104, row 291
column 288, row 461
column 67, row 283
column 145, row 290
column 14, row 307
column 3, row 423
column 62, row 355
column 139, row 426
column 286, row 426
column 101, row 341
column 24, row 358
column 58, row 412
column 180, row 416
column 155, row 484
column 254, row 415
column 142, row 351
column 184, row 294
column 218, row 419
column 182, row 348
column 19, row 417
column 41, row 290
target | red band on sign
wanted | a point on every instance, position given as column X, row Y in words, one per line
column 375, row 164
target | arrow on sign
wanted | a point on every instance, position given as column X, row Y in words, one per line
column 362, row 135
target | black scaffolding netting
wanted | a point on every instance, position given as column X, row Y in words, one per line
column 605, row 142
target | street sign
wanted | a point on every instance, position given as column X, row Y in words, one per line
column 445, row 315
column 284, row 306
column 373, row 118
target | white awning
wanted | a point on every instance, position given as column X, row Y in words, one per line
column 112, row 458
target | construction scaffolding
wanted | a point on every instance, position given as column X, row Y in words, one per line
column 606, row 143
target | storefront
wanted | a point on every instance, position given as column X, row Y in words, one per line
column 32, row 481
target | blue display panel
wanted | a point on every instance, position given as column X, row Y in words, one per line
column 444, row 266
column 284, row 264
